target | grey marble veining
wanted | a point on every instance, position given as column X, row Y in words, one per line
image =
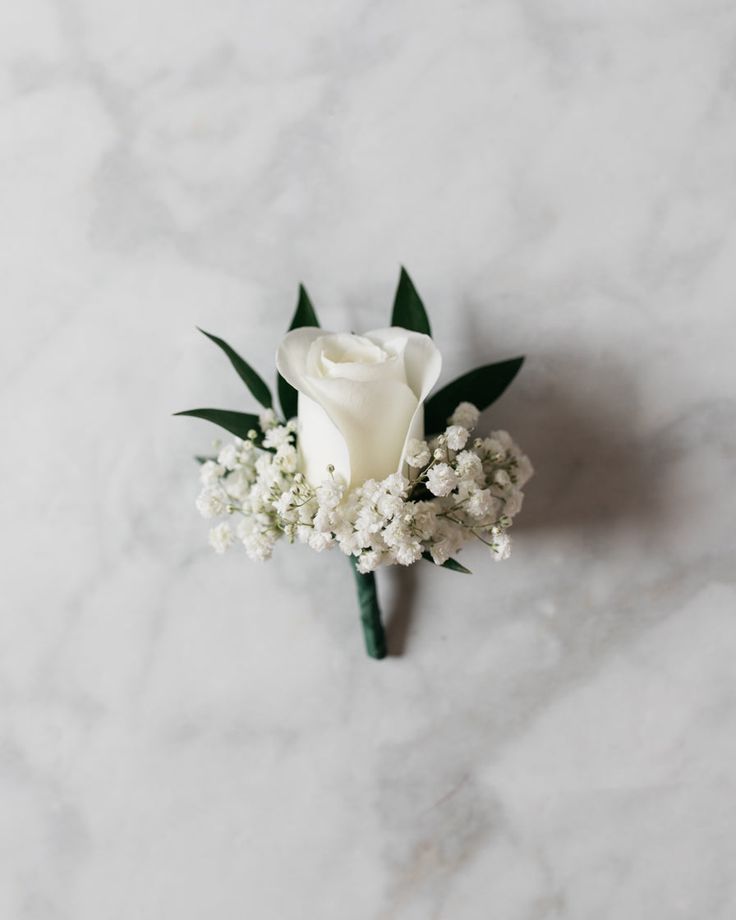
column 188, row 736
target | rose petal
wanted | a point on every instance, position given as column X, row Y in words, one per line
column 292, row 355
column 320, row 443
column 423, row 364
column 372, row 417
column 362, row 420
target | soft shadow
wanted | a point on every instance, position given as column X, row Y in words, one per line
column 596, row 466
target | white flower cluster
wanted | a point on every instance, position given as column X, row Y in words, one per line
column 458, row 489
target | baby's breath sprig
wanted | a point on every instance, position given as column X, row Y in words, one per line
column 448, row 489
column 456, row 490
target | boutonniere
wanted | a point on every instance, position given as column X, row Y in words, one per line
column 364, row 457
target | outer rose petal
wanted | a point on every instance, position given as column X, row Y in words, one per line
column 360, row 426
column 320, row 440
column 320, row 443
column 423, row 363
column 292, row 354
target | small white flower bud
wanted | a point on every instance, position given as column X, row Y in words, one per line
column 501, row 547
column 441, row 479
column 267, row 419
column 502, row 478
column 466, row 415
column 211, row 502
column 457, row 437
column 417, row 453
column 221, row 537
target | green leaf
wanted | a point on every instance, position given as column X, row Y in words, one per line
column 246, row 373
column 409, row 312
column 237, row 423
column 202, row 460
column 304, row 315
column 481, row 387
column 452, row 564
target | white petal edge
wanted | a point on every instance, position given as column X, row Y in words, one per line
column 291, row 363
column 423, row 363
column 291, row 357
column 322, row 445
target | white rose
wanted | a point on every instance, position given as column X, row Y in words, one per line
column 361, row 398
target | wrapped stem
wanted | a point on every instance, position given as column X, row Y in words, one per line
column 370, row 612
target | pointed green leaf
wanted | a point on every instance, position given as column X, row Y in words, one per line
column 452, row 564
column 202, row 460
column 288, row 397
column 246, row 373
column 237, row 423
column 481, row 387
column 409, row 312
column 304, row 315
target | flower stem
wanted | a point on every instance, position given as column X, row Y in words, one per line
column 370, row 612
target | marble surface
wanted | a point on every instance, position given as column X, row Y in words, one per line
column 186, row 736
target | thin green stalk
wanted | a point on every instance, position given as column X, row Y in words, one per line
column 370, row 612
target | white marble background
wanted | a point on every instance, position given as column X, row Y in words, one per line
column 184, row 736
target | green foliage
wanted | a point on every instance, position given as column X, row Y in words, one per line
column 237, row 423
column 452, row 564
column 250, row 378
column 304, row 315
column 481, row 387
column 409, row 312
